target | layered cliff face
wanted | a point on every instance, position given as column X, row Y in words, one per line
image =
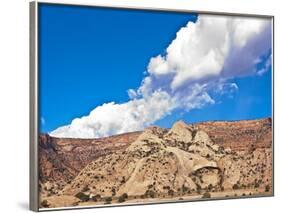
column 240, row 135
column 184, row 161
column 61, row 159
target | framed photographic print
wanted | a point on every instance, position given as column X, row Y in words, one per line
column 134, row 106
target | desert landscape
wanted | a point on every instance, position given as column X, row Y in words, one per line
column 216, row 159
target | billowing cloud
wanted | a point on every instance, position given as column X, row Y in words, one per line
column 202, row 59
column 112, row 118
column 213, row 47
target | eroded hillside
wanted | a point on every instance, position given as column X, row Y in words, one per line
column 184, row 162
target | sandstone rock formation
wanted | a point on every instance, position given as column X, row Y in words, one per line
column 61, row 159
column 184, row 161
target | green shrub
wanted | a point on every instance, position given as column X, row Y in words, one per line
column 199, row 188
column 206, row 195
column 150, row 193
column 150, row 186
column 184, row 188
column 108, row 200
column 123, row 198
column 171, row 192
column 210, row 187
column 96, row 198
column 235, row 186
column 125, row 195
column 166, row 187
column 123, row 180
column 45, row 204
column 267, row 188
column 82, row 196
column 113, row 190
column 193, row 133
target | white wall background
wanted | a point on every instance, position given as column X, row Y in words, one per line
column 14, row 105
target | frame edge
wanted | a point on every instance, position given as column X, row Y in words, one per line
column 33, row 188
column 33, row 108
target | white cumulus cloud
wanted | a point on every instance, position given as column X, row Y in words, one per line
column 202, row 59
column 212, row 47
column 112, row 118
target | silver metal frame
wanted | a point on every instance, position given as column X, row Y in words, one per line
column 34, row 105
column 33, row 98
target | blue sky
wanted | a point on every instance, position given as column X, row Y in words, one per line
column 252, row 101
column 90, row 56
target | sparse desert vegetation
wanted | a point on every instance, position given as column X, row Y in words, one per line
column 186, row 162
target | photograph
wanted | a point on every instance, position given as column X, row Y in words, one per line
column 143, row 106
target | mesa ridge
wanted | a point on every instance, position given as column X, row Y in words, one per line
column 207, row 159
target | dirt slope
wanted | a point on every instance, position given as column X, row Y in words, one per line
column 186, row 160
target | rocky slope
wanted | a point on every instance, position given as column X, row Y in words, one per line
column 61, row 159
column 151, row 164
column 157, row 163
column 240, row 135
